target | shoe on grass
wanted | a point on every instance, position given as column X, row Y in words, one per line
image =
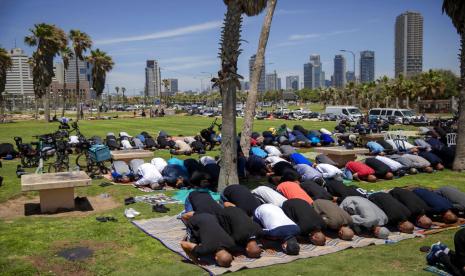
column 128, row 213
column 134, row 212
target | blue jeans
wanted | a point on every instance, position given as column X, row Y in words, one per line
column 347, row 174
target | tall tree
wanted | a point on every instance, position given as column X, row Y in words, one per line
column 251, row 103
column 102, row 63
column 117, row 93
column 49, row 39
column 81, row 43
column 66, row 54
column 228, row 82
column 455, row 9
column 5, row 65
column 123, row 89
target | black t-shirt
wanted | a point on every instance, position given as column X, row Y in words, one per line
column 303, row 214
column 238, row 225
column 241, row 196
column 315, row 191
column 395, row 211
column 193, row 165
column 413, row 202
column 209, row 235
column 255, row 164
column 379, row 167
column 280, row 167
column 202, row 202
column 339, row 190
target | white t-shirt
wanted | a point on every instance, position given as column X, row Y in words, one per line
column 325, row 131
column 126, row 144
column 182, row 146
column 272, row 217
column 392, row 164
column 328, row 170
column 272, row 151
column 274, row 159
column 189, row 139
column 205, row 160
column 405, row 144
column 268, row 195
column 149, row 175
column 159, row 163
column 73, row 139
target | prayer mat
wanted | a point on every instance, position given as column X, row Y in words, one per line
column 436, row 271
column 156, row 199
column 170, row 231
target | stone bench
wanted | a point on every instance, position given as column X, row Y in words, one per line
column 341, row 155
column 365, row 138
column 128, row 155
column 56, row 190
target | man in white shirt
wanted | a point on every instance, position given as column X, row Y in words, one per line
column 272, row 151
column 392, row 164
column 276, row 225
column 205, row 160
column 181, row 147
column 329, row 171
column 267, row 195
column 273, row 160
column 159, row 163
column 149, row 175
column 126, row 144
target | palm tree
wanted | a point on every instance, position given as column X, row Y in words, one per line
column 49, row 39
column 117, row 92
column 5, row 65
column 455, row 9
column 81, row 43
column 252, row 96
column 102, row 63
column 123, row 89
column 228, row 82
column 66, row 54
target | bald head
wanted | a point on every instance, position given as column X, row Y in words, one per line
column 406, row 227
column 449, row 217
column 424, row 222
column 223, row 258
column 318, row 238
column 371, row 178
column 253, row 250
column 389, row 176
column 345, row 233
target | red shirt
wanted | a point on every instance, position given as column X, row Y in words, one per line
column 359, row 168
column 293, row 190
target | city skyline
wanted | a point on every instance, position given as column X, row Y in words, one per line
column 185, row 45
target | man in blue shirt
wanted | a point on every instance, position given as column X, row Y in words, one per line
column 375, row 148
column 438, row 205
column 298, row 158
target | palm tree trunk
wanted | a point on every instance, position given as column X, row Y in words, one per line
column 230, row 44
column 459, row 161
column 78, row 93
column 64, row 100
column 47, row 105
column 252, row 96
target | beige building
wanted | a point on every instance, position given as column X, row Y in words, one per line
column 409, row 44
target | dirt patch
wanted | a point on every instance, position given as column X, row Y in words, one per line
column 24, row 206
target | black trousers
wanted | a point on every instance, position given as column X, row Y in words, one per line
column 454, row 262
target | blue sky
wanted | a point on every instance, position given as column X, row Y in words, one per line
column 183, row 35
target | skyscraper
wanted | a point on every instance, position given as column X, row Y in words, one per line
column 279, row 84
column 272, row 82
column 308, row 75
column 152, row 79
column 339, row 71
column 261, row 83
column 59, row 72
column 409, row 44
column 19, row 77
column 350, row 76
column 172, row 86
column 85, row 71
column 318, row 74
column 367, row 66
column 292, row 83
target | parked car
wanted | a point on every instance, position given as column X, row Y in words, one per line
column 351, row 112
column 394, row 115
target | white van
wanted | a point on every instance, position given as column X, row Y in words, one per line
column 402, row 116
column 351, row 112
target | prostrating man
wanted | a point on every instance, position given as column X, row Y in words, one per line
column 396, row 167
column 309, row 222
column 439, row 206
column 382, row 170
column 307, row 172
column 361, row 171
column 298, row 158
column 175, row 176
column 413, row 161
column 240, row 196
column 149, row 176
column 335, row 218
column 367, row 215
column 291, row 189
column 267, row 195
column 435, row 161
column 315, row 190
column 276, row 225
column 418, row 208
column 340, row 191
column 181, row 147
column 256, row 166
column 396, row 212
column 209, row 238
column 200, row 202
column 329, row 171
column 454, row 195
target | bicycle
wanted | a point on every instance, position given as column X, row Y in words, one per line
column 86, row 160
column 61, row 163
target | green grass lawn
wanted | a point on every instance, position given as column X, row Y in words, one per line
column 28, row 245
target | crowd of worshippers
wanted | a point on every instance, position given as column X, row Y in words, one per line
column 296, row 212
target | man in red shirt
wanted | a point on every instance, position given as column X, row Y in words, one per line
column 290, row 188
column 361, row 171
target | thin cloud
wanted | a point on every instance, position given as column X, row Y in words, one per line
column 303, row 36
column 290, row 12
column 295, row 37
column 164, row 34
column 192, row 65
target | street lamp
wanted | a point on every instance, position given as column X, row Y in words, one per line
column 353, row 54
